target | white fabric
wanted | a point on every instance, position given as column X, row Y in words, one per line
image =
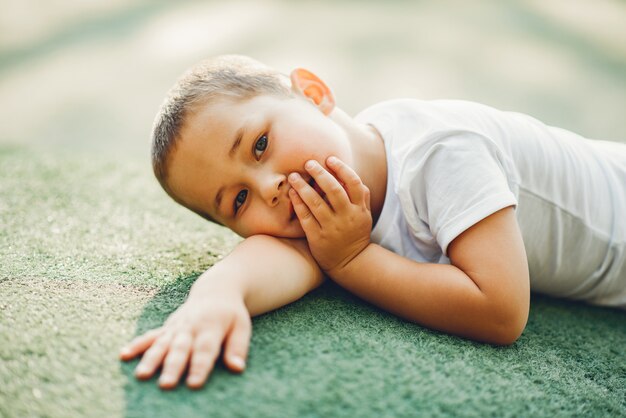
column 453, row 163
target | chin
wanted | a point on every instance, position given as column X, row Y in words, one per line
column 287, row 232
column 292, row 231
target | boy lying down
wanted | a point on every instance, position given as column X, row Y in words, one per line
column 445, row 213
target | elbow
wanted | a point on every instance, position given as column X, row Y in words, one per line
column 508, row 336
column 509, row 324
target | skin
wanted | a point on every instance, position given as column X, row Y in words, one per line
column 218, row 311
column 482, row 295
column 306, row 126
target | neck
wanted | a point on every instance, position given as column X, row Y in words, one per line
column 369, row 158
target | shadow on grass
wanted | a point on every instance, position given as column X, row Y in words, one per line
column 144, row 398
column 221, row 395
column 332, row 354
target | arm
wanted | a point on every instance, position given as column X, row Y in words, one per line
column 268, row 272
column 262, row 273
column 483, row 295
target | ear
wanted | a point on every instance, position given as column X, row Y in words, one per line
column 307, row 84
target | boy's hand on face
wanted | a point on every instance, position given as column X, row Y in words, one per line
column 338, row 226
column 193, row 335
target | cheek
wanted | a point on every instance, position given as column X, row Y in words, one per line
column 309, row 146
column 259, row 219
column 303, row 139
column 329, row 140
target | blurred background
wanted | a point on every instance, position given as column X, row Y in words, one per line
column 93, row 252
column 89, row 76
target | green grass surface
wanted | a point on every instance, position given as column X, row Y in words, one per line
column 93, row 253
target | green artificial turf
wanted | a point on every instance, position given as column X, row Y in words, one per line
column 92, row 253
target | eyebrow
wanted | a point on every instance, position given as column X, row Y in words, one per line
column 237, row 142
column 233, row 150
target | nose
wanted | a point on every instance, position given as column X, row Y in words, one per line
column 272, row 186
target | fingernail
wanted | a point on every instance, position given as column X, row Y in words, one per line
column 125, row 351
column 238, row 362
column 166, row 380
column 293, row 176
column 309, row 164
column 332, row 160
column 141, row 370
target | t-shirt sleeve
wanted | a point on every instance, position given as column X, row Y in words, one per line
column 456, row 181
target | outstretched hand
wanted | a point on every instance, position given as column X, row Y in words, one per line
column 338, row 225
column 193, row 336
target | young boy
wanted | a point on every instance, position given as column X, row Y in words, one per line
column 445, row 213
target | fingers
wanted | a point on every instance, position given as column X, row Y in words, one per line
column 335, row 193
column 206, row 348
column 351, row 180
column 176, row 360
column 306, row 218
column 237, row 344
column 153, row 358
column 307, row 203
column 174, row 350
column 139, row 344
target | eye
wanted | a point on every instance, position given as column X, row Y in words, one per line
column 260, row 145
column 240, row 200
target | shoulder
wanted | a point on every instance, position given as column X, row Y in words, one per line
column 389, row 106
column 413, row 122
column 453, row 180
column 449, row 149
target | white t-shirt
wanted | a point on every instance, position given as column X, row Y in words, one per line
column 453, row 163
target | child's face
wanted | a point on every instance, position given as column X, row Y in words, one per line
column 278, row 135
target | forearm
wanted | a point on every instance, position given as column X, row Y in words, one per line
column 438, row 296
column 267, row 271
